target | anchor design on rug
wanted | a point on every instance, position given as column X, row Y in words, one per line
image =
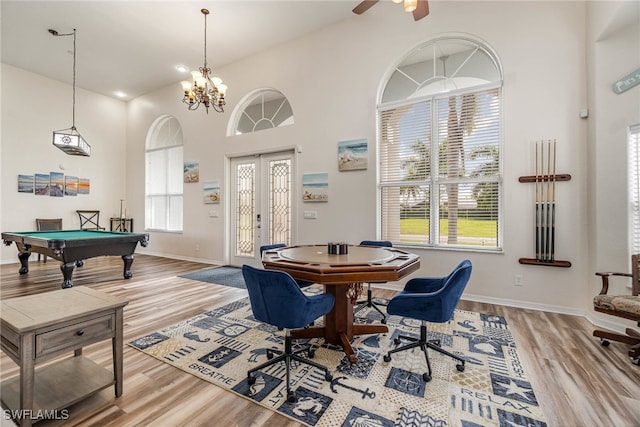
column 195, row 337
column 365, row 393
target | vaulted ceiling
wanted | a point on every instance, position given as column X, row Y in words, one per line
column 135, row 46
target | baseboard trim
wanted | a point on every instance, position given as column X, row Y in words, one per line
column 594, row 318
column 181, row 258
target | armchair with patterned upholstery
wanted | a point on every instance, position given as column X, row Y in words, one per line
column 626, row 306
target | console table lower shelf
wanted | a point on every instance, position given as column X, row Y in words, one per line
column 59, row 385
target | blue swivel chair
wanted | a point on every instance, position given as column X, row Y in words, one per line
column 277, row 299
column 369, row 302
column 263, row 248
column 430, row 299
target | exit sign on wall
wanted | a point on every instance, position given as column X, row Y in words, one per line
column 627, row 82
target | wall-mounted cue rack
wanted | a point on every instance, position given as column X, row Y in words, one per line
column 545, row 205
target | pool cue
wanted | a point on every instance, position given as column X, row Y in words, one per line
column 537, row 204
column 547, row 205
column 543, row 206
column 553, row 205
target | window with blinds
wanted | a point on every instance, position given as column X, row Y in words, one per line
column 440, row 154
column 164, row 175
column 634, row 187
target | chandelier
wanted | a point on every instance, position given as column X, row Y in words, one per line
column 204, row 89
column 69, row 140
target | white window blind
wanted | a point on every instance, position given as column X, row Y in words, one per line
column 440, row 171
column 634, row 187
column 164, row 175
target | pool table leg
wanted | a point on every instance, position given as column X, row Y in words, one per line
column 67, row 271
column 24, row 262
column 128, row 260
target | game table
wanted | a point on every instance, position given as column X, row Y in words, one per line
column 342, row 276
column 72, row 247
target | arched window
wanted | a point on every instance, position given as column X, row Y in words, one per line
column 440, row 139
column 260, row 110
column 163, row 174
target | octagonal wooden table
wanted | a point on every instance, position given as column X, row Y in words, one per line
column 342, row 276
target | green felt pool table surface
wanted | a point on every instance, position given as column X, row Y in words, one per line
column 72, row 247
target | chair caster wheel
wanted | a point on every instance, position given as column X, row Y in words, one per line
column 426, row 377
column 397, row 341
column 604, row 343
column 328, row 376
column 251, row 380
column 387, row 358
column 311, row 354
column 269, row 354
column 291, row 397
column 384, row 321
column 460, row 367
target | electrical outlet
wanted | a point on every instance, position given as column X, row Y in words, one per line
column 519, row 281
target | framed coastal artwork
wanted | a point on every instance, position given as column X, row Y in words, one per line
column 42, row 184
column 315, row 187
column 25, row 183
column 56, row 184
column 211, row 191
column 84, row 185
column 70, row 185
column 191, row 172
column 352, row 155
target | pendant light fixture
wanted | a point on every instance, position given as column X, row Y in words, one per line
column 204, row 89
column 69, row 140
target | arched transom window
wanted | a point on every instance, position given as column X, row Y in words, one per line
column 440, row 139
column 263, row 109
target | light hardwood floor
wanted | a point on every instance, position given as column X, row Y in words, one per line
column 577, row 382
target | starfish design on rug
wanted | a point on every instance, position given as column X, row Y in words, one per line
column 514, row 389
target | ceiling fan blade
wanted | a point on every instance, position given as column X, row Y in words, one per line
column 364, row 6
column 421, row 11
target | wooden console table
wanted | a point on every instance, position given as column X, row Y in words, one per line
column 38, row 327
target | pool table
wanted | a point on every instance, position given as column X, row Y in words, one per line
column 72, row 247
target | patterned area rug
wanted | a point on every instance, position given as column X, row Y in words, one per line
column 221, row 344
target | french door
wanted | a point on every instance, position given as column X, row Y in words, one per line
column 261, row 204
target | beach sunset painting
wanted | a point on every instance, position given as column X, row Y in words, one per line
column 84, row 186
column 353, row 155
column 315, row 187
column 25, row 183
column 42, row 184
column 56, row 184
column 70, row 185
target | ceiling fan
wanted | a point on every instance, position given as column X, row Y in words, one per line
column 420, row 8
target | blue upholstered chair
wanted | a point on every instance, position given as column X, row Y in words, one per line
column 369, row 302
column 277, row 299
column 430, row 299
column 263, row 248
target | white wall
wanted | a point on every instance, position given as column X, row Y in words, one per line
column 332, row 78
column 32, row 108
